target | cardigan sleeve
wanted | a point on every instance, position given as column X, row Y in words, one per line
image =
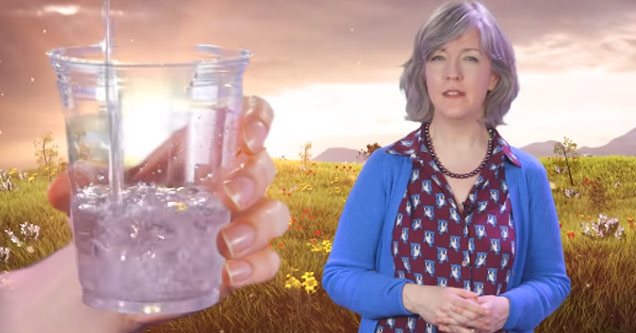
column 350, row 275
column 544, row 283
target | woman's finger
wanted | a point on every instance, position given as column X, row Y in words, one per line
column 468, row 305
column 59, row 193
column 255, row 268
column 457, row 319
column 77, row 176
column 255, row 123
column 466, row 310
column 464, row 293
column 248, row 184
column 251, row 231
column 455, row 329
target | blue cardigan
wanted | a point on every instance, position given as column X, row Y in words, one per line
column 359, row 273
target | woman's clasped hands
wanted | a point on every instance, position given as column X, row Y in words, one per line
column 455, row 309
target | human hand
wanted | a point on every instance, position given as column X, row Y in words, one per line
column 442, row 305
column 243, row 242
column 497, row 311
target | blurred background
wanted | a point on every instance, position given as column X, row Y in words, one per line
column 330, row 69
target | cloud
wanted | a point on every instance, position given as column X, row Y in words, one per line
column 66, row 10
column 62, row 10
column 566, row 51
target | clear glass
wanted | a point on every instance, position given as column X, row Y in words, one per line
column 148, row 146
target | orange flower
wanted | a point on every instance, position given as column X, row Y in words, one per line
column 284, row 189
column 560, row 225
column 306, row 211
column 317, row 233
column 281, row 244
column 570, row 235
column 294, row 220
column 289, row 194
column 630, row 219
column 299, row 227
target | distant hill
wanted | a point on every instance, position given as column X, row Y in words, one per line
column 622, row 145
column 339, row 155
column 539, row 149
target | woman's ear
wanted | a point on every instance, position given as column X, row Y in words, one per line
column 494, row 79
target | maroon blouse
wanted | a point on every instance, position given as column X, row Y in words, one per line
column 436, row 244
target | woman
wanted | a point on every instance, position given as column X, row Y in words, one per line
column 46, row 297
column 450, row 228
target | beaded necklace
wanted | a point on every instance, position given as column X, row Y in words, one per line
column 429, row 146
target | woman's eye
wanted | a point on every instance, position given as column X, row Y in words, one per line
column 472, row 59
column 437, row 58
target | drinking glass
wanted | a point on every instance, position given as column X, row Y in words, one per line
column 150, row 138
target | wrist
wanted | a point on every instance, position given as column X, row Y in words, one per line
column 504, row 309
column 407, row 296
column 406, row 301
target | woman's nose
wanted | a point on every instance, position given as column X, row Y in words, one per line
column 452, row 71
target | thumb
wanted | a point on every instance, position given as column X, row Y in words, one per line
column 483, row 299
column 59, row 193
column 76, row 176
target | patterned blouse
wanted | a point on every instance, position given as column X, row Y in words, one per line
column 434, row 243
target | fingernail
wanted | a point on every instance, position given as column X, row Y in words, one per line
column 238, row 238
column 238, row 271
column 254, row 134
column 240, row 190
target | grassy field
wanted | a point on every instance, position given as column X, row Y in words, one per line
column 603, row 271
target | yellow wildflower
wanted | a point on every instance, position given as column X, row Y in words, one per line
column 309, row 282
column 326, row 244
column 292, row 282
column 307, row 275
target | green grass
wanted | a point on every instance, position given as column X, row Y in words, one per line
column 603, row 272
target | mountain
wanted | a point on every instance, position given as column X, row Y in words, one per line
column 622, row 145
column 539, row 149
column 339, row 155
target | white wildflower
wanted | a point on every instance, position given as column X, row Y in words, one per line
column 4, row 252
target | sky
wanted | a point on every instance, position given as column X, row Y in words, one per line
column 330, row 69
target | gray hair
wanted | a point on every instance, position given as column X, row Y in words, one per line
column 447, row 23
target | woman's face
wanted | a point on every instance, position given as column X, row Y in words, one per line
column 458, row 75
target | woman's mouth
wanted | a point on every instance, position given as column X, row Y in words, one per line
column 453, row 93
